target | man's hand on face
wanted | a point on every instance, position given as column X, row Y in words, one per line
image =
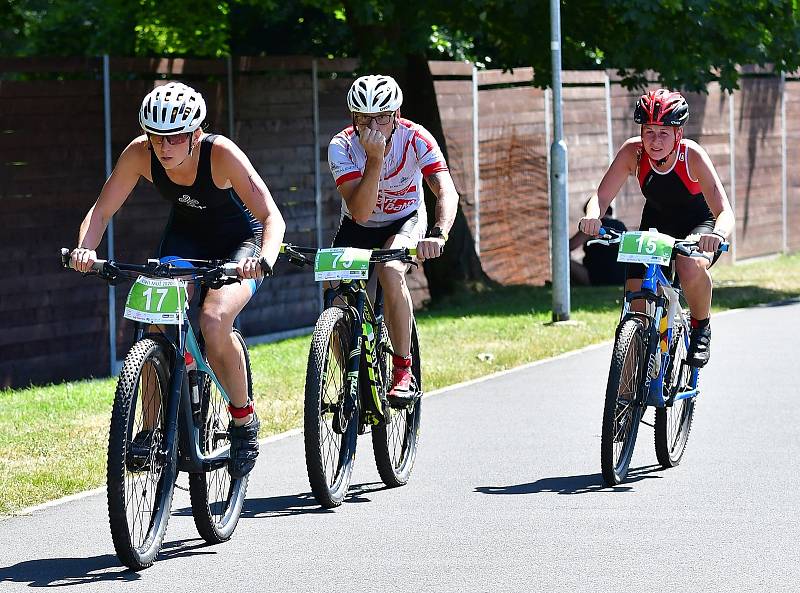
column 374, row 143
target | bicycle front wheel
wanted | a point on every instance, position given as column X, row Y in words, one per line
column 673, row 423
column 217, row 499
column 331, row 410
column 141, row 477
column 395, row 442
column 622, row 412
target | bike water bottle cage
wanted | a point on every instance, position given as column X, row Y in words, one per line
column 244, row 412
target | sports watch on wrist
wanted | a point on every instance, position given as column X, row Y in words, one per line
column 437, row 233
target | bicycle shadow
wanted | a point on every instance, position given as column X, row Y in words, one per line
column 60, row 572
column 583, row 484
column 298, row 504
column 65, row 572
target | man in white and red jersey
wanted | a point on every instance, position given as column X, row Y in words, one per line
column 378, row 165
column 683, row 197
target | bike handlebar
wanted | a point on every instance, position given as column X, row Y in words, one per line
column 685, row 247
column 296, row 255
column 214, row 273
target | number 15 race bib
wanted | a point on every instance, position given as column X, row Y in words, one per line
column 646, row 247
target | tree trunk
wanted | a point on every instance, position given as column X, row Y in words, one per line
column 459, row 266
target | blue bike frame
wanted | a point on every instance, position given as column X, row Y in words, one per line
column 661, row 333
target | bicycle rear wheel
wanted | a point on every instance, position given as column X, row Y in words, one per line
column 217, row 499
column 330, row 411
column 673, row 423
column 622, row 412
column 140, row 477
column 395, row 442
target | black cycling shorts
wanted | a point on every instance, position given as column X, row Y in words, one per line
column 674, row 227
column 177, row 245
column 352, row 234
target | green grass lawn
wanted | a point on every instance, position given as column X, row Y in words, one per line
column 53, row 439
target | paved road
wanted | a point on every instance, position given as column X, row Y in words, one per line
column 506, row 496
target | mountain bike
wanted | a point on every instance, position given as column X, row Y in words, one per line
column 349, row 374
column 648, row 363
column 170, row 413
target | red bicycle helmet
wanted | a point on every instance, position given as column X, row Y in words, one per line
column 661, row 108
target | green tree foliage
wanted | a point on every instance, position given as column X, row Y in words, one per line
column 689, row 42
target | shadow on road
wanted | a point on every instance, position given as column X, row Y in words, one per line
column 298, row 504
column 62, row 572
column 574, row 484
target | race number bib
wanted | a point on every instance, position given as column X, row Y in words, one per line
column 342, row 263
column 156, row 300
column 645, row 247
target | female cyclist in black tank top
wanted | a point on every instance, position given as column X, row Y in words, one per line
column 205, row 222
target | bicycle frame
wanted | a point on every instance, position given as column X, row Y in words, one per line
column 368, row 321
column 181, row 422
column 660, row 295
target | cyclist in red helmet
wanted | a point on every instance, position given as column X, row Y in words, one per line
column 683, row 197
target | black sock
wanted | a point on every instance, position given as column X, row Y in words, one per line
column 700, row 323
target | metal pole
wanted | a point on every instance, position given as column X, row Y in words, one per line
column 548, row 129
column 476, row 161
column 732, row 142
column 231, row 131
column 317, row 172
column 610, row 137
column 559, row 240
column 784, row 175
column 112, row 291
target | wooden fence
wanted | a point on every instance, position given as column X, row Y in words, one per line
column 283, row 112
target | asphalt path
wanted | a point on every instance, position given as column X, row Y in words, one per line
column 506, row 495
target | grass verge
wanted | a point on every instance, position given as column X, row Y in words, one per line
column 53, row 438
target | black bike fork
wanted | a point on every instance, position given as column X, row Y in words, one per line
column 354, row 358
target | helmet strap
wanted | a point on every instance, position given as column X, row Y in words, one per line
column 394, row 126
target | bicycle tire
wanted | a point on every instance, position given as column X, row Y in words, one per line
column 395, row 442
column 216, row 498
column 330, row 422
column 139, row 484
column 674, row 423
column 621, row 415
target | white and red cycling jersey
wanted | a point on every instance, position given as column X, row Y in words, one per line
column 413, row 154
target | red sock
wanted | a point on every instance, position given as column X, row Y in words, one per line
column 401, row 362
column 698, row 323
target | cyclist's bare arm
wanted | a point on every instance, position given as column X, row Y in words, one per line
column 134, row 162
column 441, row 184
column 623, row 165
column 701, row 167
column 361, row 195
column 230, row 167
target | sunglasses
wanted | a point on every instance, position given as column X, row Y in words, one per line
column 365, row 120
column 172, row 140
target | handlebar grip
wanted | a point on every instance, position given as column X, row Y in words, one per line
column 66, row 256
column 602, row 232
column 724, row 246
column 229, row 269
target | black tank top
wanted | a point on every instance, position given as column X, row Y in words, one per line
column 202, row 211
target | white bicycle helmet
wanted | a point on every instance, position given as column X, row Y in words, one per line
column 373, row 94
column 172, row 109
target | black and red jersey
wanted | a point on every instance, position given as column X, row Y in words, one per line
column 674, row 191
